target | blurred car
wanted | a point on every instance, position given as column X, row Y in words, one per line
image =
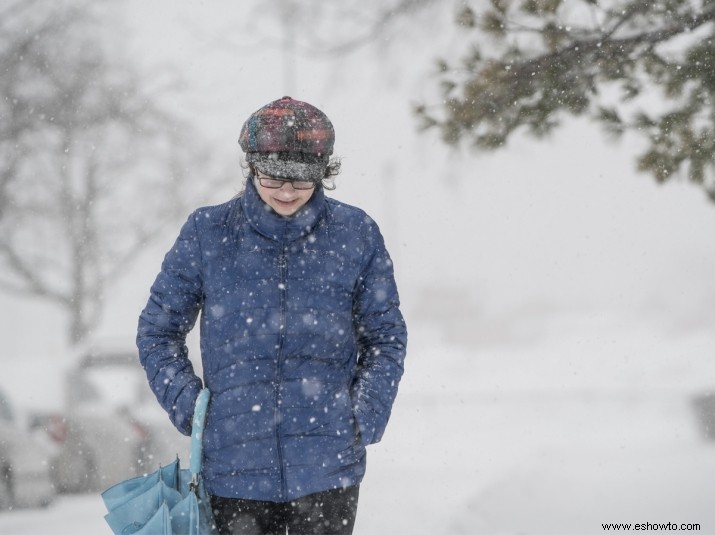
column 112, row 428
column 25, row 461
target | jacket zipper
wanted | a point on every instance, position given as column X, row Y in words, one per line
column 282, row 265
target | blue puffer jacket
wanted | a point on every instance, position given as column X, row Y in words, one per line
column 302, row 343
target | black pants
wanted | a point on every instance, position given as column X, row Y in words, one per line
column 330, row 512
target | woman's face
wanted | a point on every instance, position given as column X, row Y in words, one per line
column 285, row 200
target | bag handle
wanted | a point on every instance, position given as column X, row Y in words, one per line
column 197, row 432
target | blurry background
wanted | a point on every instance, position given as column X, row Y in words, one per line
column 560, row 303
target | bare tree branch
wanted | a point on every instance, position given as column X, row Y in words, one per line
column 83, row 136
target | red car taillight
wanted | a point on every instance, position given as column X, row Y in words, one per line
column 139, row 431
column 56, row 428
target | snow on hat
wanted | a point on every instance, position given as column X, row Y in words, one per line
column 288, row 139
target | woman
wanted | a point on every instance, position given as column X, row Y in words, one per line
column 302, row 339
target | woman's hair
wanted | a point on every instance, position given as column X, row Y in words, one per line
column 331, row 171
column 327, row 182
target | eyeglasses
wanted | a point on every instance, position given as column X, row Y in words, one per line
column 277, row 183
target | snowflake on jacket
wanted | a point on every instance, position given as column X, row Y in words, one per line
column 302, row 343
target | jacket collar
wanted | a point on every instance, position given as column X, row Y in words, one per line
column 276, row 227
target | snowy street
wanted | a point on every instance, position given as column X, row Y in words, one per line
column 509, row 476
column 473, row 450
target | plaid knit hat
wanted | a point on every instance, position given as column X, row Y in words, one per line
column 288, row 139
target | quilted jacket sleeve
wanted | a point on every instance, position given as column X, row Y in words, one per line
column 382, row 340
column 171, row 312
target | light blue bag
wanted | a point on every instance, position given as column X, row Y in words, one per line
column 170, row 501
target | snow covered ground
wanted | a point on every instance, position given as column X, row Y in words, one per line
column 555, row 435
